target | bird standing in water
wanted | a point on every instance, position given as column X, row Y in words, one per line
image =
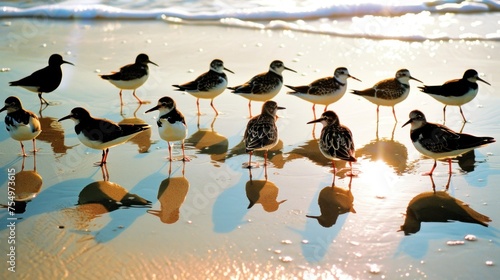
column 335, row 142
column 44, row 80
column 22, row 125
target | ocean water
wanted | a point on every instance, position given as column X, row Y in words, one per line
column 396, row 19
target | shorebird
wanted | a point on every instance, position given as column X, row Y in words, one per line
column 171, row 124
column 261, row 133
column 324, row 91
column 335, row 142
column 264, row 86
column 101, row 134
column 456, row 92
column 439, row 142
column 389, row 92
column 131, row 76
column 22, row 125
column 44, row 80
column 208, row 85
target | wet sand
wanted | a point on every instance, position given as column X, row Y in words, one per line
column 204, row 218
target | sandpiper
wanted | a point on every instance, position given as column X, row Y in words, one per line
column 101, row 134
column 335, row 142
column 439, row 142
column 324, row 91
column 264, row 86
column 456, row 92
column 22, row 125
column 389, row 92
column 44, row 80
column 171, row 124
column 261, row 133
column 208, row 85
column 131, row 76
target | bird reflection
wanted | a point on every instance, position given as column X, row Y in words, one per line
column 310, row 150
column 334, row 201
column 171, row 194
column 439, row 206
column 208, row 141
column 28, row 184
column 53, row 133
column 143, row 139
column 393, row 153
column 274, row 155
column 101, row 197
column 262, row 192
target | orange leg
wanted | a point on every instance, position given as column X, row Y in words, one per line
column 140, row 101
column 198, row 106
column 23, row 153
column 213, row 107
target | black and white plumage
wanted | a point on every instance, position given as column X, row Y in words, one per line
column 324, row 91
column 264, row 86
column 101, row 134
column 261, row 133
column 22, row 125
column 208, row 85
column 131, row 76
column 456, row 92
column 389, row 92
column 171, row 124
column 44, row 80
column 439, row 142
column 336, row 141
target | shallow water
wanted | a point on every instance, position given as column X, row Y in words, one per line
column 64, row 232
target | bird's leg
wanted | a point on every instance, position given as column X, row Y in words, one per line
column 377, row 111
column 430, row 172
column 198, row 106
column 265, row 172
column 169, row 151
column 34, row 146
column 265, row 158
column 314, row 111
column 212, row 104
column 334, row 172
column 394, row 113
column 326, row 108
column 140, row 101
column 449, row 165
column 42, row 100
column 250, row 108
column 250, row 160
column 184, row 157
column 444, row 113
column 463, row 117
column 121, row 98
column 23, row 153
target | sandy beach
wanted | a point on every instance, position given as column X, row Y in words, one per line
column 63, row 234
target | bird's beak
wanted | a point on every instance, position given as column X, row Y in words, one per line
column 228, row 70
column 315, row 121
column 408, row 122
column 286, row 68
column 65, row 118
column 149, row 61
column 4, row 108
column 479, row 79
column 313, row 217
column 411, row 78
column 153, row 109
column 352, row 77
column 67, row 62
column 281, row 108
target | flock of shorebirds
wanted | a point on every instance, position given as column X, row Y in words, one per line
column 336, row 141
